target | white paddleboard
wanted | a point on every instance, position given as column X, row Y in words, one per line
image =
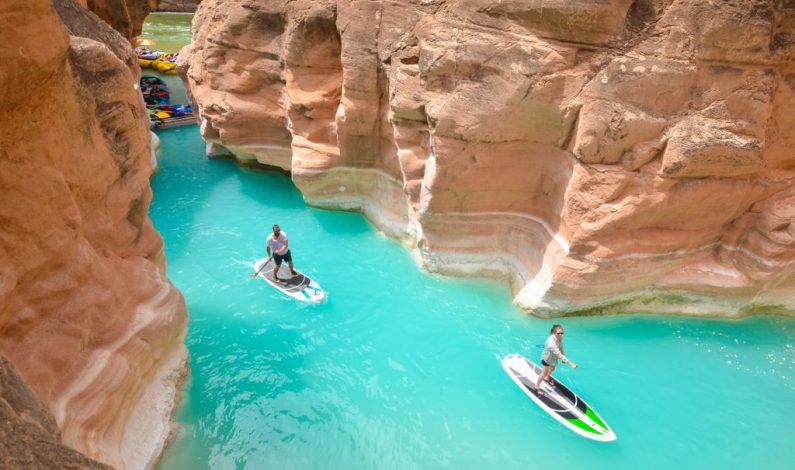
column 557, row 400
column 300, row 286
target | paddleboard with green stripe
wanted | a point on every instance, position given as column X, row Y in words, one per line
column 558, row 400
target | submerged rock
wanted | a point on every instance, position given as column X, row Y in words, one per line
column 606, row 156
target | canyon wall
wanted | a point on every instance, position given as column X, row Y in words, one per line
column 183, row 6
column 87, row 314
column 125, row 16
column 29, row 437
column 603, row 155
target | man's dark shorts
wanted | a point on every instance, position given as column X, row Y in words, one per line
column 544, row 363
column 286, row 257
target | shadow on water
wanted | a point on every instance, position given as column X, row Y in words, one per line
column 275, row 192
column 272, row 189
column 189, row 188
column 354, row 223
column 669, row 328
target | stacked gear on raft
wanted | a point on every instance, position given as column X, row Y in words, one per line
column 155, row 90
column 161, row 113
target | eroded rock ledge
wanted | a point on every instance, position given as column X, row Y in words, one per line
column 605, row 155
column 87, row 314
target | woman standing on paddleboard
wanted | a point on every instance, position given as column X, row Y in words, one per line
column 553, row 350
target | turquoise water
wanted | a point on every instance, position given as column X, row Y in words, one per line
column 401, row 369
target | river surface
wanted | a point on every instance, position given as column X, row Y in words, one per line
column 400, row 369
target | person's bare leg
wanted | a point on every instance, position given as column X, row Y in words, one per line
column 543, row 375
column 549, row 378
column 292, row 269
column 276, row 272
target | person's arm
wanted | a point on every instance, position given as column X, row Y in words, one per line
column 286, row 245
column 268, row 246
column 557, row 351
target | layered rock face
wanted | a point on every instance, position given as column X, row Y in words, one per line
column 87, row 315
column 125, row 16
column 183, row 6
column 29, row 437
column 605, row 155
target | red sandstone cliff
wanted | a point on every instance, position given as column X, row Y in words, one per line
column 125, row 16
column 178, row 5
column 86, row 313
column 29, row 436
column 606, row 155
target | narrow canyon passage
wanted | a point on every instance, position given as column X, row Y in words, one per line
column 401, row 369
column 626, row 167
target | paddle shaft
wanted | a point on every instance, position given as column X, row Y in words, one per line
column 263, row 265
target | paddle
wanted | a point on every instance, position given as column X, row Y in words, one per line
column 260, row 268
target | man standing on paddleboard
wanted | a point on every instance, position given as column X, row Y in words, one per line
column 553, row 350
column 277, row 241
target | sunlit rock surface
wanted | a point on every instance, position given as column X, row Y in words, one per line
column 604, row 155
column 87, row 315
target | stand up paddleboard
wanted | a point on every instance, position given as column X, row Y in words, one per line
column 557, row 400
column 300, row 287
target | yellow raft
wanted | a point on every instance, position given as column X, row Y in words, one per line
column 164, row 66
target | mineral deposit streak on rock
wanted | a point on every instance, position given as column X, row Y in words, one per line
column 606, row 155
column 87, row 315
